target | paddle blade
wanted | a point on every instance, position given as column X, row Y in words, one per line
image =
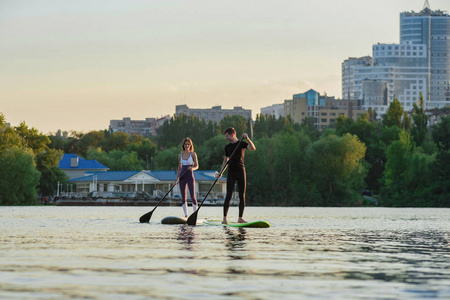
column 146, row 218
column 192, row 220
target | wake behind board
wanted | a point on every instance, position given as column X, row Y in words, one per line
column 255, row 224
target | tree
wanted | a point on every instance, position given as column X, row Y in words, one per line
column 440, row 176
column 116, row 160
column 419, row 130
column 408, row 176
column 91, row 139
column 395, row 116
column 173, row 132
column 32, row 138
column 441, row 134
column 146, row 151
column 18, row 176
column 116, row 141
column 47, row 163
column 239, row 123
column 210, row 154
column 167, row 159
column 336, row 168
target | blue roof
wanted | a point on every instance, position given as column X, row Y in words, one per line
column 160, row 175
column 83, row 164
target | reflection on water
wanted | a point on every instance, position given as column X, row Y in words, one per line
column 186, row 236
column 235, row 242
column 308, row 253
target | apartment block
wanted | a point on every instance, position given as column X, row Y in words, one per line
column 215, row 114
column 147, row 127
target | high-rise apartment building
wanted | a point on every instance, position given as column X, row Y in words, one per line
column 347, row 74
column 419, row 64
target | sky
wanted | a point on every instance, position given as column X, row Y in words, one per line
column 76, row 65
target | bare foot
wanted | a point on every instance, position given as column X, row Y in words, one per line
column 240, row 220
column 225, row 221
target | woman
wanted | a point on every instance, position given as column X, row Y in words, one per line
column 187, row 162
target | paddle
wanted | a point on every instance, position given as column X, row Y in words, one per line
column 146, row 218
column 192, row 220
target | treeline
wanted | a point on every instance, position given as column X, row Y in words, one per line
column 399, row 161
column 27, row 165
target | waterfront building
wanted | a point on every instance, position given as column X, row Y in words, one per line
column 155, row 183
column 75, row 166
column 215, row 114
column 147, row 127
column 420, row 63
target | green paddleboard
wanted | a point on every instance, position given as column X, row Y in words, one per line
column 255, row 224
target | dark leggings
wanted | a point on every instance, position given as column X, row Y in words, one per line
column 232, row 177
column 187, row 180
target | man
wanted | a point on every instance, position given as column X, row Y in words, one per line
column 236, row 170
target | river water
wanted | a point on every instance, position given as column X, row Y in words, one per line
column 50, row 252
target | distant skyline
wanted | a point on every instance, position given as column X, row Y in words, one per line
column 76, row 65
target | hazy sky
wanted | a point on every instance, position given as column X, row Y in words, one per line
column 77, row 64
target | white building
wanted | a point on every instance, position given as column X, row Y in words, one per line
column 276, row 110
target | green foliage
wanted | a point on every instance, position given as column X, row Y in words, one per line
column 393, row 116
column 408, row 176
column 32, row 138
column 117, row 160
column 18, row 176
column 268, row 125
column 440, row 178
column 336, row 168
column 419, row 130
column 211, row 153
column 173, row 132
column 47, row 163
column 239, row 123
column 293, row 165
column 167, row 159
column 117, row 141
column 146, row 151
column 441, row 134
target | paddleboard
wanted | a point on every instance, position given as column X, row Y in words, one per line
column 171, row 220
column 255, row 224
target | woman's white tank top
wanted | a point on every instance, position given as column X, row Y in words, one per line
column 187, row 162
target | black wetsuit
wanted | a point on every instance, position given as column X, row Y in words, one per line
column 236, row 172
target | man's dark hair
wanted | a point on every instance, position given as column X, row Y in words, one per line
column 230, row 130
